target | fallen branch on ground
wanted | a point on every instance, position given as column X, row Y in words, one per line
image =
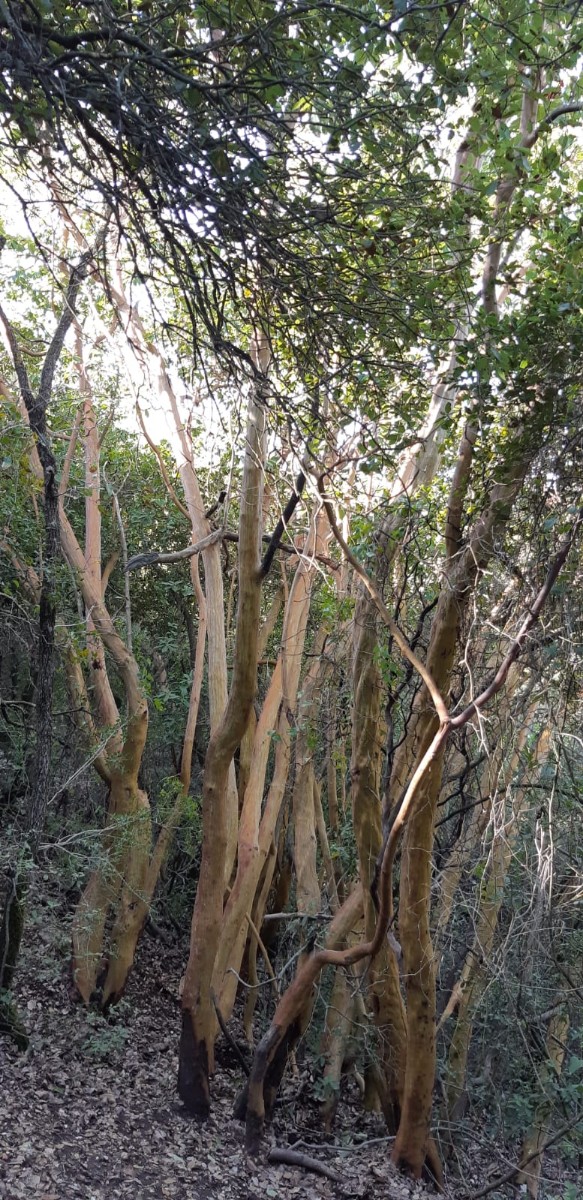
column 295, row 1158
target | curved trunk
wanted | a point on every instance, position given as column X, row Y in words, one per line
column 142, row 871
column 117, row 883
column 120, row 872
column 274, row 1048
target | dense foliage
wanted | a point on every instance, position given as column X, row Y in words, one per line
column 298, row 286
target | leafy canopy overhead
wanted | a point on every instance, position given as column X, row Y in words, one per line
column 268, row 153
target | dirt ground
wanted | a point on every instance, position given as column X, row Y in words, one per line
column 90, row 1111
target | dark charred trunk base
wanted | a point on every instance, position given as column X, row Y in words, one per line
column 256, row 1102
column 193, row 1071
column 240, row 1106
column 10, row 1024
column 11, row 931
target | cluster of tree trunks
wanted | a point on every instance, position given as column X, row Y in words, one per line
column 263, row 784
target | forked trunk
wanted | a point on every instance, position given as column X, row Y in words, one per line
column 258, row 822
column 196, row 1052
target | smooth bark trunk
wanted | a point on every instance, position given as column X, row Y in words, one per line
column 196, row 1054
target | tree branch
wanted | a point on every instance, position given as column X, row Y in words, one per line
column 370, row 585
column 534, row 612
column 282, row 524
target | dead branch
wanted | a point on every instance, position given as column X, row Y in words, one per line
column 296, row 1158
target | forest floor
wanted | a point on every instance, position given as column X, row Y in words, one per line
column 90, row 1111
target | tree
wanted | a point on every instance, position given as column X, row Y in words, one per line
column 35, row 405
column 405, row 341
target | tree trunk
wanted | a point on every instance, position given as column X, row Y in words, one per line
column 338, row 1027
column 273, row 1049
column 142, row 871
column 308, row 896
column 258, row 822
column 529, row 1174
column 35, row 409
column 196, row 1055
column 383, row 978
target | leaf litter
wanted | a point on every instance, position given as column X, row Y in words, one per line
column 90, row 1111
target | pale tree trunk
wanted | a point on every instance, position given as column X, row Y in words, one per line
column 308, row 898
column 549, row 1074
column 126, row 843
column 327, row 863
column 126, row 874
column 145, row 358
column 196, row 1055
column 258, row 821
column 384, row 987
column 338, row 1027
column 256, row 942
column 105, row 707
column 248, row 739
column 137, row 892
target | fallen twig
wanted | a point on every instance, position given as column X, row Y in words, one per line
column 295, row 1158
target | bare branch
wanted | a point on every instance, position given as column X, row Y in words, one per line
column 402, row 643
